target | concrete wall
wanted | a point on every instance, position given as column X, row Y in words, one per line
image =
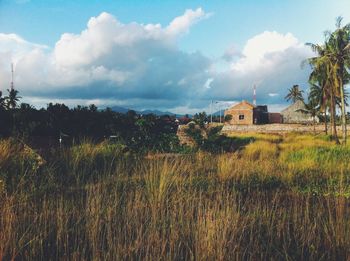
column 275, row 117
column 276, row 128
column 183, row 137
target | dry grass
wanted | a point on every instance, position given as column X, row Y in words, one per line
column 261, row 150
column 268, row 201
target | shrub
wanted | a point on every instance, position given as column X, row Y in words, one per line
column 18, row 163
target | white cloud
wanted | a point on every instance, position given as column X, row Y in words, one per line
column 16, row 46
column 141, row 66
column 182, row 23
column 208, row 82
column 109, row 59
column 105, row 35
column 42, row 102
column 257, row 50
column 272, row 60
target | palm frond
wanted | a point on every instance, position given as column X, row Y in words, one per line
column 338, row 22
column 347, row 48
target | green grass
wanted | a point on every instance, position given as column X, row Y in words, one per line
column 280, row 197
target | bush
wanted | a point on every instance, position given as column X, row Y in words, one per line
column 18, row 163
column 209, row 139
column 228, row 117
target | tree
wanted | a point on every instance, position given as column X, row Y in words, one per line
column 322, row 73
column 338, row 52
column 93, row 108
column 12, row 99
column 228, row 118
column 319, row 93
column 294, row 94
column 312, row 108
column 2, row 101
column 201, row 119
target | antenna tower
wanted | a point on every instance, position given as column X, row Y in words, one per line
column 254, row 95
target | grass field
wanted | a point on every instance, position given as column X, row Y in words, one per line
column 278, row 198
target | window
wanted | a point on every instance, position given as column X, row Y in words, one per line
column 241, row 117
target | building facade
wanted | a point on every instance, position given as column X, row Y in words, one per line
column 245, row 113
column 241, row 113
column 275, row 117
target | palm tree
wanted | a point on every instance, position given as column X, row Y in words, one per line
column 2, row 101
column 312, row 108
column 338, row 52
column 12, row 99
column 319, row 94
column 323, row 73
column 294, row 94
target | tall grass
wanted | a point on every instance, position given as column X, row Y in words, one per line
column 266, row 201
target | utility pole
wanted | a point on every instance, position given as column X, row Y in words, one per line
column 211, row 111
column 254, row 95
column 12, row 73
column 218, row 102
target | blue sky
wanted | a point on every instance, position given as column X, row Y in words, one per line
column 233, row 22
column 197, row 71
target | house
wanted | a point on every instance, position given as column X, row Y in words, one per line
column 184, row 120
column 275, row 117
column 245, row 113
column 297, row 113
column 260, row 114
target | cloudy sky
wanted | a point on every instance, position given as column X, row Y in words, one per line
column 167, row 55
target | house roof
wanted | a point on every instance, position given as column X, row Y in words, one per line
column 298, row 105
column 242, row 103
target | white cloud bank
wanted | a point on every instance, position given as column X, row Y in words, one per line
column 270, row 60
column 141, row 66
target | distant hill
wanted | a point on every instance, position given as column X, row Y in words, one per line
column 218, row 113
column 155, row 112
column 119, row 109
column 158, row 112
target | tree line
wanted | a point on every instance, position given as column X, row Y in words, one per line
column 329, row 75
column 58, row 122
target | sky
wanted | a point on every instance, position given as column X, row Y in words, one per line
column 167, row 55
